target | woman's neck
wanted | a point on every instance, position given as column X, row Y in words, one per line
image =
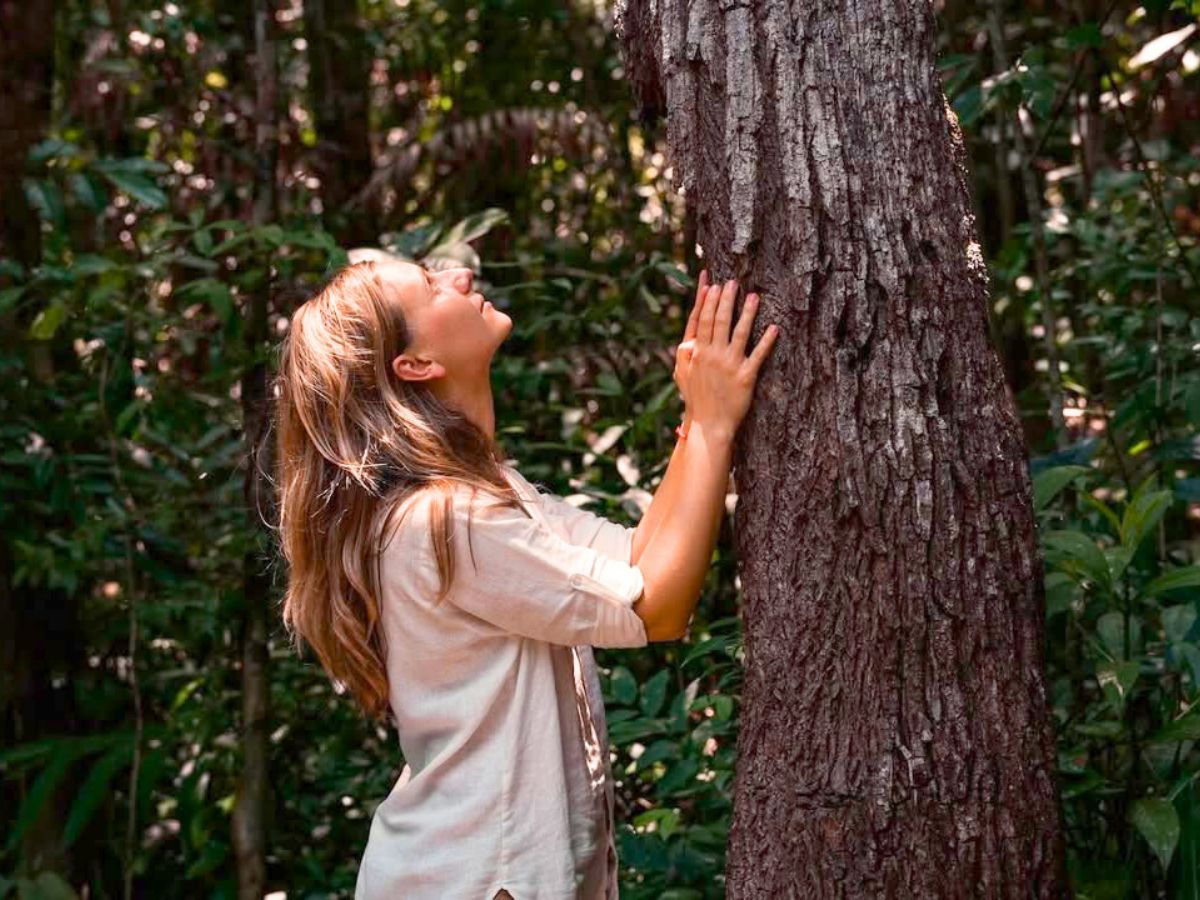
column 474, row 401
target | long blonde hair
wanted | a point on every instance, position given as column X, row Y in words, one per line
column 354, row 441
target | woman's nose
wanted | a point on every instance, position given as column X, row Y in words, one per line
column 464, row 280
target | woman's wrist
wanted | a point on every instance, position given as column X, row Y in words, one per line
column 717, row 434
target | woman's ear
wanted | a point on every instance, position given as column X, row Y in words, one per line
column 417, row 368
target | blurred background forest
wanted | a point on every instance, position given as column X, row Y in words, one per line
column 168, row 196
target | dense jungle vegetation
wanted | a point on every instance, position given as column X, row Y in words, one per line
column 144, row 282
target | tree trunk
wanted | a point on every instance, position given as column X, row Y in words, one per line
column 895, row 739
column 39, row 625
column 26, row 78
column 250, row 812
column 338, row 83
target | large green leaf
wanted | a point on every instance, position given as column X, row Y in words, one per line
column 94, row 790
column 1185, row 728
column 46, row 323
column 474, row 226
column 138, row 186
column 39, row 794
column 623, row 685
column 1174, row 580
column 1178, row 621
column 1049, row 483
column 1142, row 516
column 46, row 886
column 1077, row 553
column 654, row 693
column 1158, row 822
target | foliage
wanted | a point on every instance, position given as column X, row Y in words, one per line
column 123, row 347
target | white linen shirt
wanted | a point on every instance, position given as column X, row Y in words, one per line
column 497, row 702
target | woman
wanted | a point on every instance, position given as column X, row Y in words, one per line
column 438, row 585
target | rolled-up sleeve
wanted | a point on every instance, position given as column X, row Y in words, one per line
column 519, row 575
column 588, row 529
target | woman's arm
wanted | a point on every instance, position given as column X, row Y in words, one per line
column 675, row 559
column 668, row 490
column 664, row 498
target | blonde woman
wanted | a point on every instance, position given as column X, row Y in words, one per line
column 448, row 593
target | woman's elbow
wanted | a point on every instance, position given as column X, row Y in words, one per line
column 664, row 611
column 663, row 628
column 661, row 633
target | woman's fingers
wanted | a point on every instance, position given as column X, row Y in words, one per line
column 724, row 316
column 762, row 348
column 741, row 331
column 689, row 330
column 704, row 328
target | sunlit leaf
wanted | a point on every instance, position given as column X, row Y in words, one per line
column 1158, row 823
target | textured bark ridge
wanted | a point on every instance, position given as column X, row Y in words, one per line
column 895, row 739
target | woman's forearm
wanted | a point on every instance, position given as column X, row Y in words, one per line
column 663, row 500
column 676, row 558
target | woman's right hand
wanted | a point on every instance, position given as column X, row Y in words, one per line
column 721, row 375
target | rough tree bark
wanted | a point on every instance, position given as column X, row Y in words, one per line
column 249, row 824
column 895, row 738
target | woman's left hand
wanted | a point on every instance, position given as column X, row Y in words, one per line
column 683, row 353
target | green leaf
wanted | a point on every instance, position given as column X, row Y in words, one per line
column 1188, row 886
column 1185, row 728
column 1142, row 516
column 47, row 322
column 657, row 752
column 1060, row 591
column 1176, row 579
column 52, row 148
column 202, row 240
column 138, row 186
column 664, row 820
column 969, row 106
column 1084, row 35
column 211, row 292
column 1158, row 823
column 1050, row 482
column 1104, row 509
column 654, row 693
column 94, row 790
column 271, row 235
column 89, row 191
column 47, row 886
column 90, row 264
column 47, row 199
column 1117, row 679
column 1076, row 553
column 41, row 791
column 1178, row 620
column 623, row 685
column 1111, row 629
column 133, row 164
column 9, row 297
column 474, row 226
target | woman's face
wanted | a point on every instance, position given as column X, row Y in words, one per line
column 455, row 331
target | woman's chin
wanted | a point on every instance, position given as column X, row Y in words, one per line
column 502, row 321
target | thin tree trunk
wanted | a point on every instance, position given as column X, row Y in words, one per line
column 250, row 812
column 338, row 85
column 26, row 77
column 39, row 626
column 1037, row 224
column 895, row 738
